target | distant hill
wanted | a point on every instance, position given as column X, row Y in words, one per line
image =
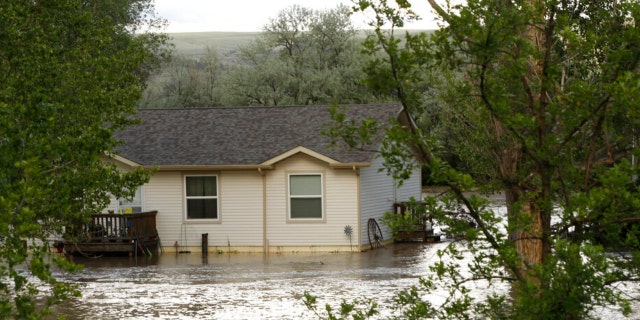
column 194, row 44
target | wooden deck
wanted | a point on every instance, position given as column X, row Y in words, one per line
column 114, row 233
column 420, row 231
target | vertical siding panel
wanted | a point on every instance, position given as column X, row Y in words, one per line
column 377, row 195
column 412, row 187
column 240, row 210
column 379, row 191
column 163, row 193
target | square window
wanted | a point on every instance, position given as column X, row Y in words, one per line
column 202, row 197
column 305, row 196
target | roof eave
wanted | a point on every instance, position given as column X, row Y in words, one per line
column 350, row 165
column 330, row 161
column 210, row 167
column 297, row 150
column 335, row 165
column 121, row 159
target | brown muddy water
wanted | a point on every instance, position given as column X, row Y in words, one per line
column 242, row 286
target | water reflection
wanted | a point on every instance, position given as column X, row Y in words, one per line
column 240, row 286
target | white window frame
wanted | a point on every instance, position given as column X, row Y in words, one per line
column 320, row 196
column 187, row 197
column 123, row 203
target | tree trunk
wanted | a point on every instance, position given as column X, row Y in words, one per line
column 527, row 237
column 528, row 240
column 530, row 231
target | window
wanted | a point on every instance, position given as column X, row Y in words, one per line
column 131, row 205
column 202, row 197
column 305, row 196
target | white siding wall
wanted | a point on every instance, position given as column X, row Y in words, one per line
column 378, row 194
column 340, row 204
column 241, row 206
column 240, row 210
column 164, row 194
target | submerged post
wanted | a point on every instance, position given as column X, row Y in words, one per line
column 205, row 244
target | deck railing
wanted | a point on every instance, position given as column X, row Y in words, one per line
column 119, row 226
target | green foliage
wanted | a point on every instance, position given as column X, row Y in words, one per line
column 536, row 99
column 414, row 216
column 357, row 310
column 187, row 82
column 346, row 132
column 302, row 57
column 400, row 223
column 70, row 74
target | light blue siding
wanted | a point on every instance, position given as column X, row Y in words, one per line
column 379, row 192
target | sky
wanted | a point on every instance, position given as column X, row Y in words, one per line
column 252, row 15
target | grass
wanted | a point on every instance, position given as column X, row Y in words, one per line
column 193, row 44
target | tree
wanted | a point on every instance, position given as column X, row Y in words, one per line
column 542, row 100
column 302, row 57
column 72, row 72
column 186, row 83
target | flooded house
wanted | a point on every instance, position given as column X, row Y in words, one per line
column 260, row 179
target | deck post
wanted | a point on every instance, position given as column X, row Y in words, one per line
column 205, row 244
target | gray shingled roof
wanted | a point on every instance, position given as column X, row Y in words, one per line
column 238, row 135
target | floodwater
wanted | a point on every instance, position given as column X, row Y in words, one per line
column 256, row 286
column 242, row 286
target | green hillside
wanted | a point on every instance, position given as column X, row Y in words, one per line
column 193, row 44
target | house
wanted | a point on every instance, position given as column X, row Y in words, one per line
column 259, row 179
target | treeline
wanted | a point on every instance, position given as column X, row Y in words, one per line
column 302, row 57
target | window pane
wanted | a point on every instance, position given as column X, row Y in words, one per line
column 201, row 186
column 305, row 185
column 136, row 201
column 131, row 205
column 202, row 208
column 306, row 208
